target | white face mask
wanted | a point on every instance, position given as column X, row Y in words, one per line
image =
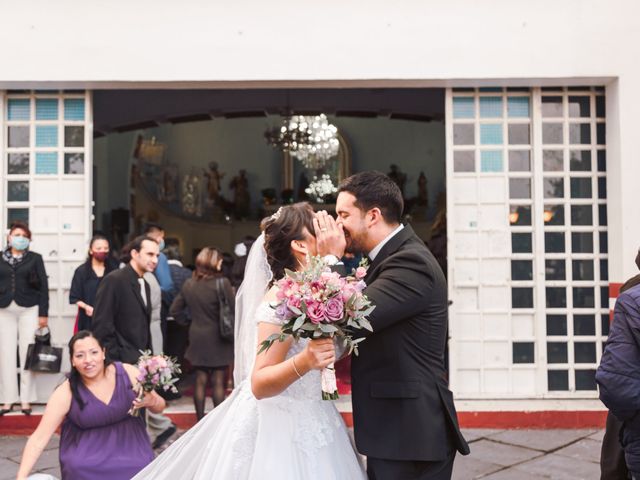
column 240, row 249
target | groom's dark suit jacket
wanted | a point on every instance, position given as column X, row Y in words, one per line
column 402, row 407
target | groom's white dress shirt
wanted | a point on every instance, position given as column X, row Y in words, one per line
column 376, row 250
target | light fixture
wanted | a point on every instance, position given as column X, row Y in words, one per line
column 319, row 188
column 310, row 139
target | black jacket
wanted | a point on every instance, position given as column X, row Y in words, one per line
column 120, row 318
column 26, row 283
column 402, row 406
column 84, row 287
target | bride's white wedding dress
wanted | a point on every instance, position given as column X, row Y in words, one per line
column 293, row 435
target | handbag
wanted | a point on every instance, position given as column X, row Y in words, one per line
column 226, row 316
column 41, row 356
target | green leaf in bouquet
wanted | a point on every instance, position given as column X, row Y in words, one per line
column 309, row 327
column 328, row 328
column 368, row 311
column 364, row 323
column 317, row 333
column 265, row 345
column 299, row 321
column 295, row 310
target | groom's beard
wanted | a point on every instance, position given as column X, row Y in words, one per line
column 354, row 244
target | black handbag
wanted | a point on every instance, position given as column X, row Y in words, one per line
column 226, row 316
column 41, row 356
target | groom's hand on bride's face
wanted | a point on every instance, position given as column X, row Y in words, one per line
column 330, row 239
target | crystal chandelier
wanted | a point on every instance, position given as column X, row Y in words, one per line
column 320, row 188
column 310, row 139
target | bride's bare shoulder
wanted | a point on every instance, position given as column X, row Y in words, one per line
column 270, row 296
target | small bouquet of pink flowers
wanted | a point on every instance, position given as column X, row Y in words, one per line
column 155, row 372
column 318, row 303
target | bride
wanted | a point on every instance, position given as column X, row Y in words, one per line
column 274, row 424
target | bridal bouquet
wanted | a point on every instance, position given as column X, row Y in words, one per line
column 318, row 303
column 155, row 371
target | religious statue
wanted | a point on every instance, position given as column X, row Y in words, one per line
column 241, row 198
column 398, row 177
column 213, row 184
column 191, row 195
column 423, row 197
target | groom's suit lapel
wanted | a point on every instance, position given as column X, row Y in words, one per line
column 390, row 247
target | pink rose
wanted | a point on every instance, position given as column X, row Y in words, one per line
column 334, row 310
column 360, row 273
column 294, row 302
column 315, row 311
column 359, row 286
column 347, row 292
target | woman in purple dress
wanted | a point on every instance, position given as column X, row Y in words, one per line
column 99, row 439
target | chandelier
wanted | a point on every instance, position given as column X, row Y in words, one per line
column 310, row 139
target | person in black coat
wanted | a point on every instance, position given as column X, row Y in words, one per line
column 122, row 312
column 24, row 306
column 404, row 416
column 87, row 278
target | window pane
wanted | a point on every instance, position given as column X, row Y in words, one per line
column 521, row 270
column 491, row 161
column 463, row 134
column 552, row 107
column 519, row 134
column 580, row 160
column 519, row 215
column 558, row 380
column 557, row 352
column 554, row 242
column 579, row 106
column 601, row 133
column 552, row 160
column 18, row 191
column 602, row 215
column 553, row 187
column 555, row 269
column 602, row 188
column 74, row 163
column 584, row 325
column 586, row 380
column 605, row 320
column 464, row 107
column 46, row 109
column 556, row 297
column 74, row 136
column 519, row 161
column 602, row 160
column 584, row 352
column 581, row 215
column 556, row 324
column 491, row 134
column 604, row 269
column 580, row 187
column 554, row 214
column 518, row 107
column 464, row 161
column 552, row 133
column 604, row 242
column 582, row 242
column 519, row 188
column 17, row 214
column 522, row 297
column 18, row 137
column 490, row 107
column 18, row 164
column 523, row 352
column 583, row 270
column 600, row 106
column 521, row 243
column 583, row 297
column 579, row 133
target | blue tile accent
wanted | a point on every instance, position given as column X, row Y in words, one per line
column 490, row 107
column 491, row 161
column 46, row 108
column 74, row 109
column 463, row 107
column 19, row 109
column 518, row 107
column 46, row 163
column 491, row 134
column 46, row 136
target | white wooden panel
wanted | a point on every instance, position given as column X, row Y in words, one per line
column 44, row 219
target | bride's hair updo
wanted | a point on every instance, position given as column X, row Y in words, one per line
column 280, row 229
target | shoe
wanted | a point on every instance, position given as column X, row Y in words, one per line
column 164, row 436
column 4, row 411
column 26, row 411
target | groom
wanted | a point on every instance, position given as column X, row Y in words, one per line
column 405, row 421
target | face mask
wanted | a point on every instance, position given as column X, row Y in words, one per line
column 240, row 250
column 100, row 256
column 161, row 244
column 20, row 243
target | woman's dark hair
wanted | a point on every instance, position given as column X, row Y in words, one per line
column 74, row 375
column 94, row 239
column 375, row 189
column 22, row 226
column 280, row 229
column 207, row 263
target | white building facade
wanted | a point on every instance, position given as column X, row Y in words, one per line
column 541, row 104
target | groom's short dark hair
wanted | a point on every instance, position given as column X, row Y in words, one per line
column 375, row 189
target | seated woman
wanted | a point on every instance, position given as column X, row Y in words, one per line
column 99, row 439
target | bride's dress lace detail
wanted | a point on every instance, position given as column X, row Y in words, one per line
column 245, row 431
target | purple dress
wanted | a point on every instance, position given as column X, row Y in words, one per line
column 103, row 442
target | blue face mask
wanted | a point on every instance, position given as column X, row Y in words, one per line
column 20, row 243
column 161, row 244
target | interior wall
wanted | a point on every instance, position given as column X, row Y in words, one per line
column 375, row 143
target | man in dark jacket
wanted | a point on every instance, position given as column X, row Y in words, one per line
column 404, row 416
column 122, row 312
column 612, row 462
